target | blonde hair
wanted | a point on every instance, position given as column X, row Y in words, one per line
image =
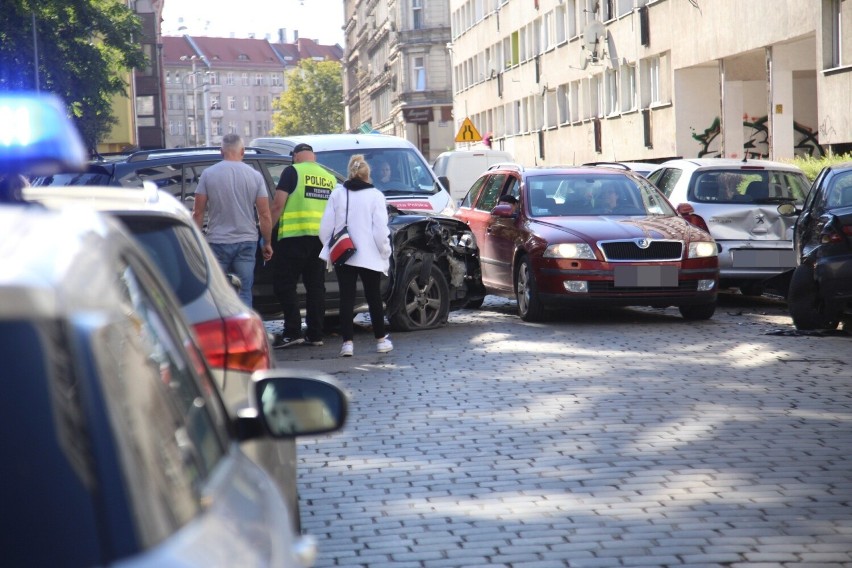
column 359, row 168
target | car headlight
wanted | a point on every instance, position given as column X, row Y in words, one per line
column 702, row 249
column 579, row 251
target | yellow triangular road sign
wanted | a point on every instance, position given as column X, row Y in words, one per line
column 468, row 132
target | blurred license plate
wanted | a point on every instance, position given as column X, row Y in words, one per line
column 757, row 258
column 645, row 276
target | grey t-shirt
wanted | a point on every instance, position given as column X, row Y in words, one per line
column 232, row 188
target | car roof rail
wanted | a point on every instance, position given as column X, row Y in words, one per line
column 506, row 166
column 142, row 155
column 608, row 165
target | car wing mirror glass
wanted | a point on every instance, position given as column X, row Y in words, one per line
column 787, row 209
column 297, row 405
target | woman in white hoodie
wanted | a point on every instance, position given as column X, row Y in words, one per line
column 367, row 220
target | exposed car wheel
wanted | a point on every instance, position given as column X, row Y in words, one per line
column 805, row 305
column 422, row 300
column 530, row 307
column 698, row 312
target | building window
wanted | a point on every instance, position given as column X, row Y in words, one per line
column 841, row 28
column 247, row 103
column 563, row 100
column 275, row 79
column 611, row 91
column 213, row 77
column 215, row 103
column 245, row 78
column 247, row 128
column 229, row 78
column 651, row 79
column 216, row 127
column 624, row 7
column 258, row 80
column 232, row 102
column 419, row 73
column 417, row 22
column 232, row 127
column 628, row 87
column 259, row 128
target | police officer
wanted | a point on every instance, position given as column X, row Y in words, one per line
column 299, row 203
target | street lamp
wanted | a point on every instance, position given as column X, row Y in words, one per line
column 193, row 59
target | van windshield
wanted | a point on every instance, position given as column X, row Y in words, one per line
column 395, row 171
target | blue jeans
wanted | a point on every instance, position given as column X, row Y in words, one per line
column 238, row 258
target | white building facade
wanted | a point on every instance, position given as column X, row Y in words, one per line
column 574, row 81
column 397, row 71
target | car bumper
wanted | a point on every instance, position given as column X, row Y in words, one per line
column 625, row 284
column 754, row 260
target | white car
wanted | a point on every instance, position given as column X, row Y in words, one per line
column 754, row 237
column 412, row 186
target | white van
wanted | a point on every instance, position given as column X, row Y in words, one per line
column 462, row 167
column 410, row 185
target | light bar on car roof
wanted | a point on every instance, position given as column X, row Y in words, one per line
column 37, row 137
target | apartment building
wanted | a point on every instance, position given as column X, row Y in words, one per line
column 572, row 81
column 397, row 71
column 215, row 86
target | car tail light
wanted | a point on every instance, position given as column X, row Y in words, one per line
column 238, row 342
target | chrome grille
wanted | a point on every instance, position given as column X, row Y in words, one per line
column 632, row 251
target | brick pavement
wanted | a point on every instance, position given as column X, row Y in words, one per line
column 610, row 438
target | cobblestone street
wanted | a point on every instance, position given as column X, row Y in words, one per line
column 616, row 438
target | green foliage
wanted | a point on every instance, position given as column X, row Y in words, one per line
column 313, row 101
column 813, row 165
column 85, row 49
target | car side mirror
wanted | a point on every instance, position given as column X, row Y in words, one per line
column 286, row 405
column 788, row 209
column 505, row 210
column 445, row 181
column 685, row 209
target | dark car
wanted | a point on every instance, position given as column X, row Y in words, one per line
column 434, row 269
column 587, row 236
column 116, row 445
column 820, row 293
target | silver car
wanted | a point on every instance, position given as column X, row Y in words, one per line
column 738, row 203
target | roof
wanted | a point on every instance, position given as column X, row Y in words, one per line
column 729, row 163
column 223, row 53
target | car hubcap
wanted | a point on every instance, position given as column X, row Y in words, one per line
column 523, row 288
column 422, row 304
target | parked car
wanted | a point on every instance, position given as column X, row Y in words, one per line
column 458, row 169
column 755, row 237
column 232, row 336
column 112, row 416
column 412, row 185
column 414, row 300
column 820, row 294
column 548, row 237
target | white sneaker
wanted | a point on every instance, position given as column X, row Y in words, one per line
column 347, row 349
column 384, row 345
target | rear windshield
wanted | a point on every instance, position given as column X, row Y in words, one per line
column 589, row 195
column 749, row 186
column 395, row 171
column 175, row 250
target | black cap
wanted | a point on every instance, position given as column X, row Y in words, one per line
column 301, row 148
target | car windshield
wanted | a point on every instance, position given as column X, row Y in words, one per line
column 749, row 186
column 395, row 171
column 590, row 195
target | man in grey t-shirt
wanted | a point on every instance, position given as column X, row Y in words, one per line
column 232, row 191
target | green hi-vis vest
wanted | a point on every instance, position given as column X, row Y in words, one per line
column 305, row 206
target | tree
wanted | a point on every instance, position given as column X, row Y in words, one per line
column 85, row 47
column 313, row 101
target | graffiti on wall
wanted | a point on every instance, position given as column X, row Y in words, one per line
column 756, row 144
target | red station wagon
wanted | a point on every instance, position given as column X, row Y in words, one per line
column 587, row 236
